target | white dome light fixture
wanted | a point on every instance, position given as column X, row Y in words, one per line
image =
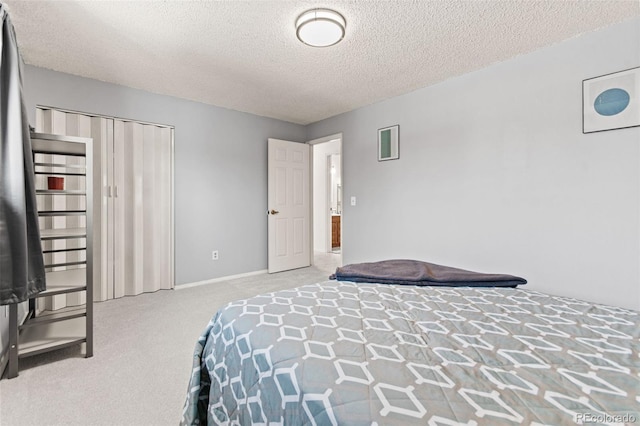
column 320, row 27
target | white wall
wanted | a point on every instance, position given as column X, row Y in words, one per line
column 320, row 206
column 496, row 175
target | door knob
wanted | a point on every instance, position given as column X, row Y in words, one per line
column 274, row 212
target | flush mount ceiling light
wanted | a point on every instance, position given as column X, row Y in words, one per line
column 320, row 27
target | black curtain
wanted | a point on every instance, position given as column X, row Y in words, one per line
column 21, row 264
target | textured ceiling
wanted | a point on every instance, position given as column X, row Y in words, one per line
column 244, row 55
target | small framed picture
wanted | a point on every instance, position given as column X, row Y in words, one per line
column 611, row 101
column 389, row 143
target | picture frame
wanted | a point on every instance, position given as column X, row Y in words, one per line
column 389, row 143
column 611, row 101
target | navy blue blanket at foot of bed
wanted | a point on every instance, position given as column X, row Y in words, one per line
column 414, row 272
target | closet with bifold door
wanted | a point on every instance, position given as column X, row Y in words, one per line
column 133, row 203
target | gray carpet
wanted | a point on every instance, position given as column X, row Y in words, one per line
column 142, row 357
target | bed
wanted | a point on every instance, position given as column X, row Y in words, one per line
column 358, row 353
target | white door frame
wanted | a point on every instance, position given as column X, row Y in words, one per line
column 315, row 142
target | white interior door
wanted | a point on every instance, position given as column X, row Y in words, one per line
column 288, row 198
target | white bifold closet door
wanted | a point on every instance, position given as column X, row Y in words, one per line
column 133, row 202
column 142, row 207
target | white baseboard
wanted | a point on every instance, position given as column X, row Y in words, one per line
column 217, row 280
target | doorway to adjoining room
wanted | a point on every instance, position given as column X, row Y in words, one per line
column 334, row 193
column 327, row 199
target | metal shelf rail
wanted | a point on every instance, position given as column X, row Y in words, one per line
column 41, row 332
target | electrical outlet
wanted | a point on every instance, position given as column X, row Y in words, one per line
column 214, row 255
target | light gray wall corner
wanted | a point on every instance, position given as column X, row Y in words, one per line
column 220, row 167
column 496, row 175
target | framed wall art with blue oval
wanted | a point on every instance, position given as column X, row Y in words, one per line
column 611, row 101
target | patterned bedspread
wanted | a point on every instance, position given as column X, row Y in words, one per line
column 361, row 354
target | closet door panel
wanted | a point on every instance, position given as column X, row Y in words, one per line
column 108, row 224
column 118, row 213
column 142, row 171
column 157, row 208
column 149, row 207
column 128, row 208
column 122, row 227
column 102, row 134
column 136, row 209
column 164, row 193
column 76, row 125
column 160, row 205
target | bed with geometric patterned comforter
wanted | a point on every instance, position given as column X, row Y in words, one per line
column 341, row 353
